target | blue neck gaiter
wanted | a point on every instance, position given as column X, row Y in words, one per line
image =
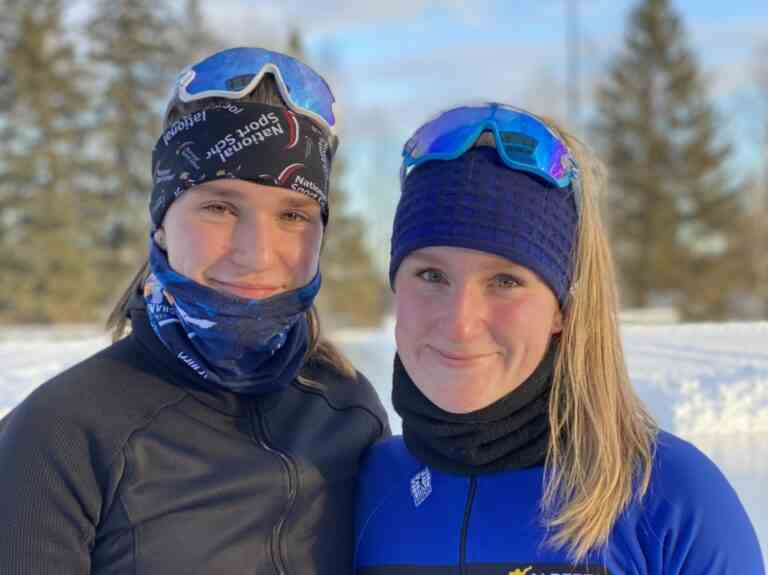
column 245, row 346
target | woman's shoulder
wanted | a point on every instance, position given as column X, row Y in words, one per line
column 343, row 391
column 387, row 466
column 688, row 502
column 685, row 478
column 388, row 462
column 104, row 396
column 679, row 466
column 62, row 447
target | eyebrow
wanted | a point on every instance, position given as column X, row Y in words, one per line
column 425, row 258
column 301, row 201
column 491, row 264
column 296, row 199
column 217, row 191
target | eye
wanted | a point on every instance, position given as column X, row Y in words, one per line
column 431, row 275
column 219, row 209
column 505, row 281
column 295, row 216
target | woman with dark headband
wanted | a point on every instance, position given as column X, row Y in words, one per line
column 524, row 449
column 223, row 434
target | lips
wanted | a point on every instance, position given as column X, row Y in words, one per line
column 246, row 290
column 461, row 359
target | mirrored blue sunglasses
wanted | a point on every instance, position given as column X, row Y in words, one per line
column 234, row 73
column 523, row 142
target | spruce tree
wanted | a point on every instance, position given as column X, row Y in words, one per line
column 758, row 230
column 135, row 58
column 353, row 289
column 672, row 206
column 192, row 38
column 44, row 243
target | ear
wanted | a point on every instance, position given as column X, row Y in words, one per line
column 557, row 322
column 159, row 237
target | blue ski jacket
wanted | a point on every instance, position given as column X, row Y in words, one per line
column 414, row 520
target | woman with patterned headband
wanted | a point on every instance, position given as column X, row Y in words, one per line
column 524, row 449
column 223, row 434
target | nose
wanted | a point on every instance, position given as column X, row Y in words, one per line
column 254, row 244
column 464, row 314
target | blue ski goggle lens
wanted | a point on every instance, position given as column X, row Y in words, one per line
column 235, row 72
column 523, row 142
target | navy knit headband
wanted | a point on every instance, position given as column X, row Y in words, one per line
column 257, row 142
column 477, row 202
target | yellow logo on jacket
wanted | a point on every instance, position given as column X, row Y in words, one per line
column 520, row 571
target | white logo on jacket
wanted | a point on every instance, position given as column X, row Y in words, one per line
column 421, row 486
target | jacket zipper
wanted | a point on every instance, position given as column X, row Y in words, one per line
column 465, row 525
column 260, row 435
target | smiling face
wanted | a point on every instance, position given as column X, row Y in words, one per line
column 243, row 238
column 471, row 326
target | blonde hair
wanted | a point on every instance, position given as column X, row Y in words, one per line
column 320, row 349
column 601, row 436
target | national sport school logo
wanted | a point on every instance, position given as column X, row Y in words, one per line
column 291, row 178
column 184, row 124
column 294, row 138
column 251, row 133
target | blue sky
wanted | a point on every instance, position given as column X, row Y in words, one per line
column 393, row 63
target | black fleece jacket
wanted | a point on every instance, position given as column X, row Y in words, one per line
column 126, row 464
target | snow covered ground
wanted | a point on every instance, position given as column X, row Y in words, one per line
column 706, row 383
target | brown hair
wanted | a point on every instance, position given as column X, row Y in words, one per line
column 320, row 349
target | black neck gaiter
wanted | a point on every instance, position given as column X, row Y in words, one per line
column 511, row 433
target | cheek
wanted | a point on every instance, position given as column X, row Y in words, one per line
column 304, row 257
column 528, row 320
column 511, row 313
column 412, row 314
column 193, row 248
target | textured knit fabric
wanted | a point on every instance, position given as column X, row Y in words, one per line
column 415, row 520
column 125, row 464
column 511, row 433
column 476, row 202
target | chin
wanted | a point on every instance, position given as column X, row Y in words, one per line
column 457, row 406
column 456, row 396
